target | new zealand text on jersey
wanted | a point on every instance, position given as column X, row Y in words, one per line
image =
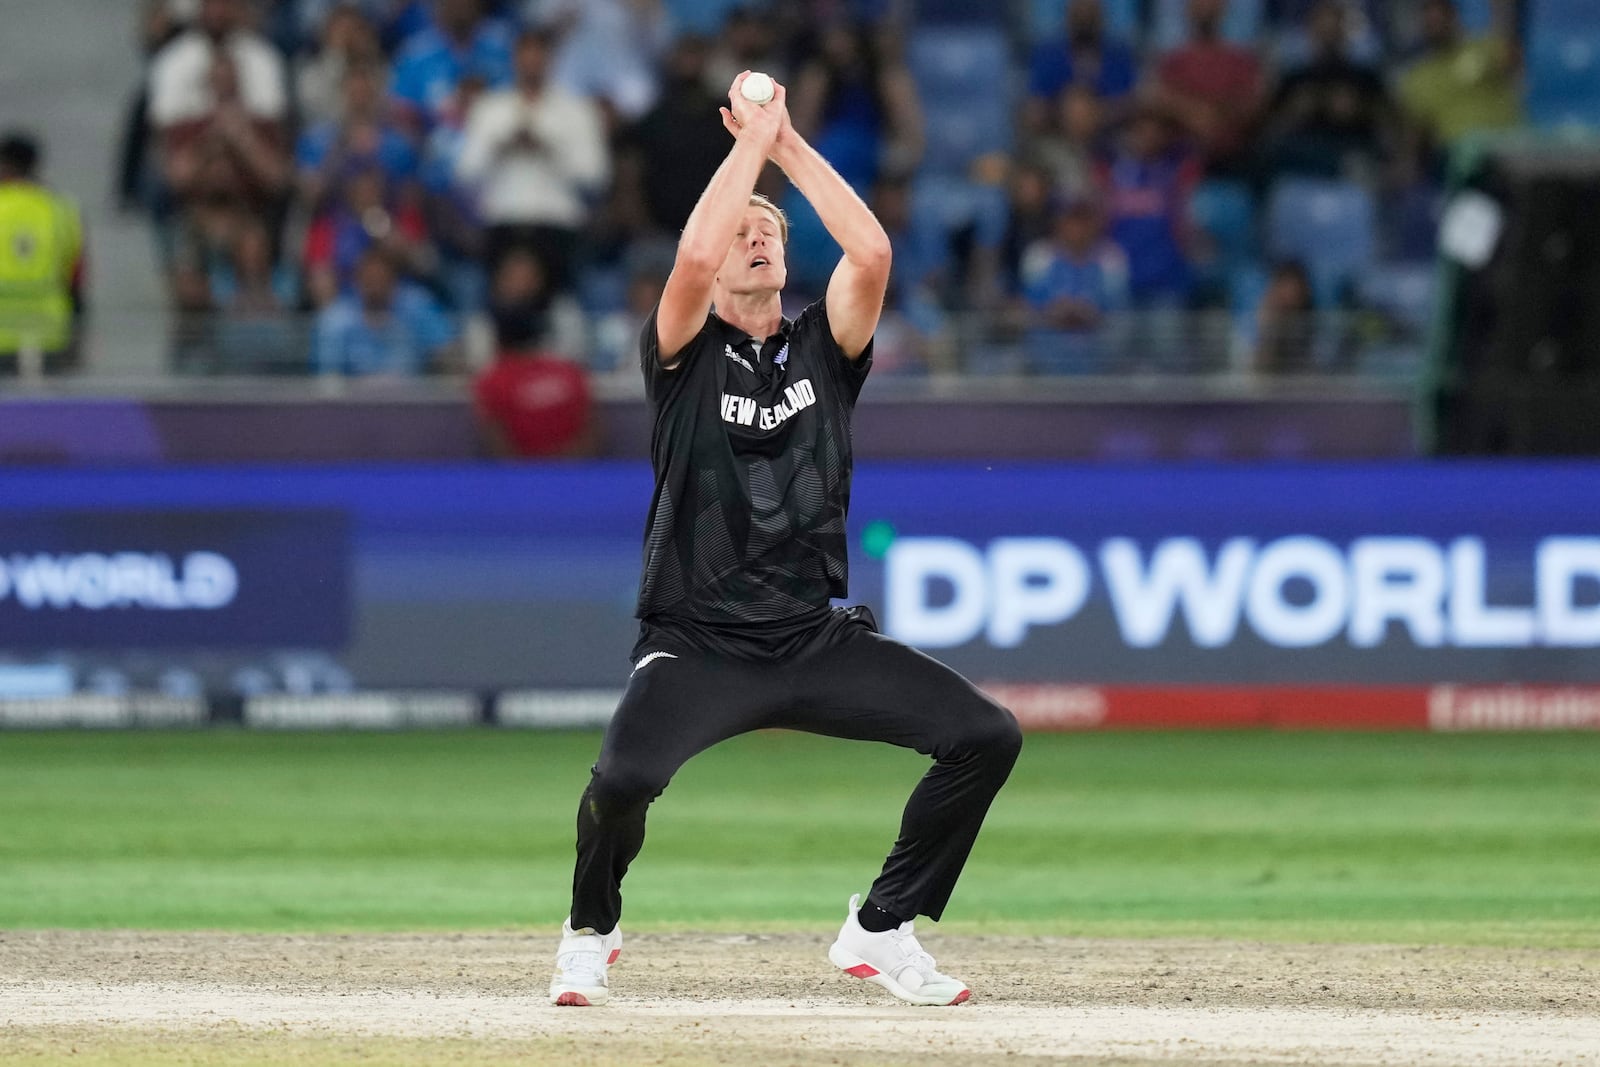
column 744, row 411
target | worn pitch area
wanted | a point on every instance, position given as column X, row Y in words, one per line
column 143, row 997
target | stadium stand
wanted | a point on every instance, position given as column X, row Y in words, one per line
column 1002, row 90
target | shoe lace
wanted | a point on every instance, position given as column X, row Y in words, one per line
column 912, row 952
column 582, row 966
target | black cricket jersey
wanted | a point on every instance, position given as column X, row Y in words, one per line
column 751, row 450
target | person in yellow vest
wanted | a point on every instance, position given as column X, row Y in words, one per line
column 1461, row 84
column 41, row 265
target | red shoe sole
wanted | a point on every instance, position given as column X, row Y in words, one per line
column 572, row 1000
column 864, row 970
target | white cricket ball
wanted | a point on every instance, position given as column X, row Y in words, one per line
column 757, row 88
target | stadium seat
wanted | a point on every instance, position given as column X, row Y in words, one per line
column 1047, row 19
column 700, row 16
column 964, row 78
column 601, row 289
column 1292, row 48
column 1403, row 291
column 1563, row 16
column 954, row 13
column 810, row 251
column 1564, row 77
column 1330, row 226
column 1477, row 16
column 1246, row 285
column 1225, row 212
column 944, row 204
column 1241, row 24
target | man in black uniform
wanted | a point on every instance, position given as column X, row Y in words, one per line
column 744, row 551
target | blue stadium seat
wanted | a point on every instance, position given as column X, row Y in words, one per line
column 943, row 204
column 1292, row 48
column 1241, row 24
column 964, row 79
column 700, row 16
column 1245, row 288
column 954, row 13
column 1409, row 222
column 1404, row 291
column 1047, row 19
column 1226, row 212
column 1330, row 226
column 811, row 252
column 1564, row 76
column 1477, row 16
column 1564, row 16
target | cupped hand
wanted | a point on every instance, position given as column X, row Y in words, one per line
column 764, row 123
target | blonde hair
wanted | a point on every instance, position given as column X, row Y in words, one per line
column 757, row 200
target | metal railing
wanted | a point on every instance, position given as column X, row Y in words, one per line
column 999, row 353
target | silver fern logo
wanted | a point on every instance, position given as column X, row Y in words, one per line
column 649, row 658
column 782, row 357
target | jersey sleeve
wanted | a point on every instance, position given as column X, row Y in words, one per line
column 659, row 382
column 850, row 374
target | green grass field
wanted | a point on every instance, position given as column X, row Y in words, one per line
column 1446, row 839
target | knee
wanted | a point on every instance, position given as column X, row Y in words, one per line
column 1004, row 736
column 991, row 733
column 617, row 791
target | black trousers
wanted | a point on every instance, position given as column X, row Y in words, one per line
column 841, row 679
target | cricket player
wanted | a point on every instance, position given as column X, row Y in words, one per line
column 744, row 551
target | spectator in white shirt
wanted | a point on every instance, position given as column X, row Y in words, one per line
column 536, row 155
column 180, row 79
column 346, row 40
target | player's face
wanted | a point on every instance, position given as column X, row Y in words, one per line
column 755, row 259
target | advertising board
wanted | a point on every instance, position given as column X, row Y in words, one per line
column 1449, row 596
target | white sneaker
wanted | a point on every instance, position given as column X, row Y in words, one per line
column 895, row 960
column 581, row 962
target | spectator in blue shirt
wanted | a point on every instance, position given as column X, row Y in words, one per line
column 1147, row 185
column 1070, row 282
column 386, row 327
column 912, row 316
column 451, row 209
column 857, row 103
column 364, row 212
column 364, row 138
column 431, row 64
column 1084, row 56
column 395, row 20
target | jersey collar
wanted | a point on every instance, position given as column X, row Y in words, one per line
column 732, row 335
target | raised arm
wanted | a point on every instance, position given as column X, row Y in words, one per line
column 856, row 289
column 714, row 222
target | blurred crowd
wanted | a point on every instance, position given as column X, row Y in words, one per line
column 1273, row 162
column 422, row 186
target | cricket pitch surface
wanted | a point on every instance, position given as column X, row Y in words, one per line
column 135, row 998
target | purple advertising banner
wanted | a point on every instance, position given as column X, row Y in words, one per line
column 484, row 578
column 185, row 578
column 113, row 431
